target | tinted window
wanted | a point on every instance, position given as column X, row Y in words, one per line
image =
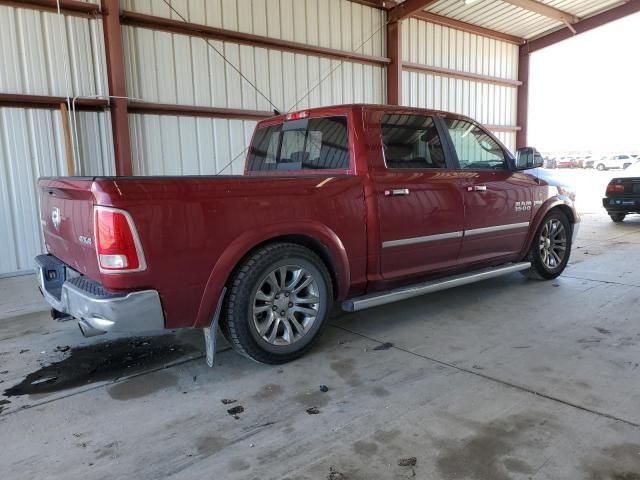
column 314, row 144
column 411, row 141
column 474, row 147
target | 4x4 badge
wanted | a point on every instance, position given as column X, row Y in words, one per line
column 55, row 217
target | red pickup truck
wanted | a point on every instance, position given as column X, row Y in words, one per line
column 357, row 204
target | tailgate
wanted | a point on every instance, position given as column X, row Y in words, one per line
column 66, row 216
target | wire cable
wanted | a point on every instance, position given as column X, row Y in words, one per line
column 329, row 73
column 332, row 70
column 168, row 2
column 65, row 67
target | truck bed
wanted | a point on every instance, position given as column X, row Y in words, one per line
column 192, row 226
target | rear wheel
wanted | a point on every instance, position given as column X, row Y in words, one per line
column 601, row 167
column 617, row 217
column 551, row 246
column 278, row 303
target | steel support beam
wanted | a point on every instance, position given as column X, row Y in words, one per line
column 197, row 111
column 545, row 10
column 406, row 9
column 68, row 7
column 117, row 87
column 204, row 31
column 394, row 69
column 523, row 99
column 467, row 27
column 18, row 100
column 608, row 16
column 447, row 72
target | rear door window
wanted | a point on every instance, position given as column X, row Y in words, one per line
column 308, row 144
column 411, row 141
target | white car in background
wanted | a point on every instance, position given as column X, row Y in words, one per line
column 614, row 161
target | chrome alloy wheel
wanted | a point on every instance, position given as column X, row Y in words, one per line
column 553, row 243
column 285, row 305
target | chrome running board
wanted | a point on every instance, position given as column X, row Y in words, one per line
column 382, row 298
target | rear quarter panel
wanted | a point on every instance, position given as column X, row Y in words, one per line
column 194, row 231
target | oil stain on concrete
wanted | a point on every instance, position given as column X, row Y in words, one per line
column 210, row 444
column 268, row 392
column 142, row 386
column 488, row 454
column 618, row 462
column 103, row 362
column 365, row 449
column 315, row 398
column 345, row 369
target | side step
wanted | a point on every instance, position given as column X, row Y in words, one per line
column 381, row 298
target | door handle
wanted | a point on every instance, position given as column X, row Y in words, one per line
column 396, row 192
column 477, row 188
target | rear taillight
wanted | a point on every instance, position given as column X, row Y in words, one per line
column 615, row 188
column 117, row 243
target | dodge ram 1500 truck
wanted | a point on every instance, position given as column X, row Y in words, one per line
column 357, row 204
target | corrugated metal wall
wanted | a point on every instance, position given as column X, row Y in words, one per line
column 35, row 46
column 169, row 145
column 436, row 46
column 171, row 68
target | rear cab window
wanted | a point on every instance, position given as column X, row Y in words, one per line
column 411, row 141
column 304, row 145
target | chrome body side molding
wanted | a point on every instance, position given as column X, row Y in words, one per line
column 496, row 228
column 446, row 236
column 428, row 238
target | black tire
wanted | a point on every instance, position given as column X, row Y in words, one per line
column 601, row 167
column 237, row 320
column 539, row 269
column 617, row 217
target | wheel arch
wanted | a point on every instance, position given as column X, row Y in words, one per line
column 560, row 203
column 316, row 237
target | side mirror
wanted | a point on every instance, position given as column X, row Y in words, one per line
column 528, row 157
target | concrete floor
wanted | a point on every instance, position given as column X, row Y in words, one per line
column 506, row 379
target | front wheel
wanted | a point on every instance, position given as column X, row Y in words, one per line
column 278, row 303
column 600, row 167
column 617, row 217
column 551, row 246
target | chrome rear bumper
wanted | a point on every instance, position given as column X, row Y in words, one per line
column 97, row 310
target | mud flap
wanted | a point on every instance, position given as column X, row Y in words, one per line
column 211, row 331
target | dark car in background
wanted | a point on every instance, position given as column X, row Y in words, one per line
column 623, row 194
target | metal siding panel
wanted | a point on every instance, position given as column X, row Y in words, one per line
column 449, row 48
column 483, row 102
column 35, row 46
column 170, row 145
column 32, row 146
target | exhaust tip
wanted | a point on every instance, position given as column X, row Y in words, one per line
column 87, row 330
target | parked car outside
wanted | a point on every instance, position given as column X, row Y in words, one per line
column 359, row 204
column 566, row 162
column 581, row 162
column 549, row 162
column 614, row 162
column 623, row 194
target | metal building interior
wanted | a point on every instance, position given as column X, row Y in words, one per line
column 149, row 92
column 175, row 87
